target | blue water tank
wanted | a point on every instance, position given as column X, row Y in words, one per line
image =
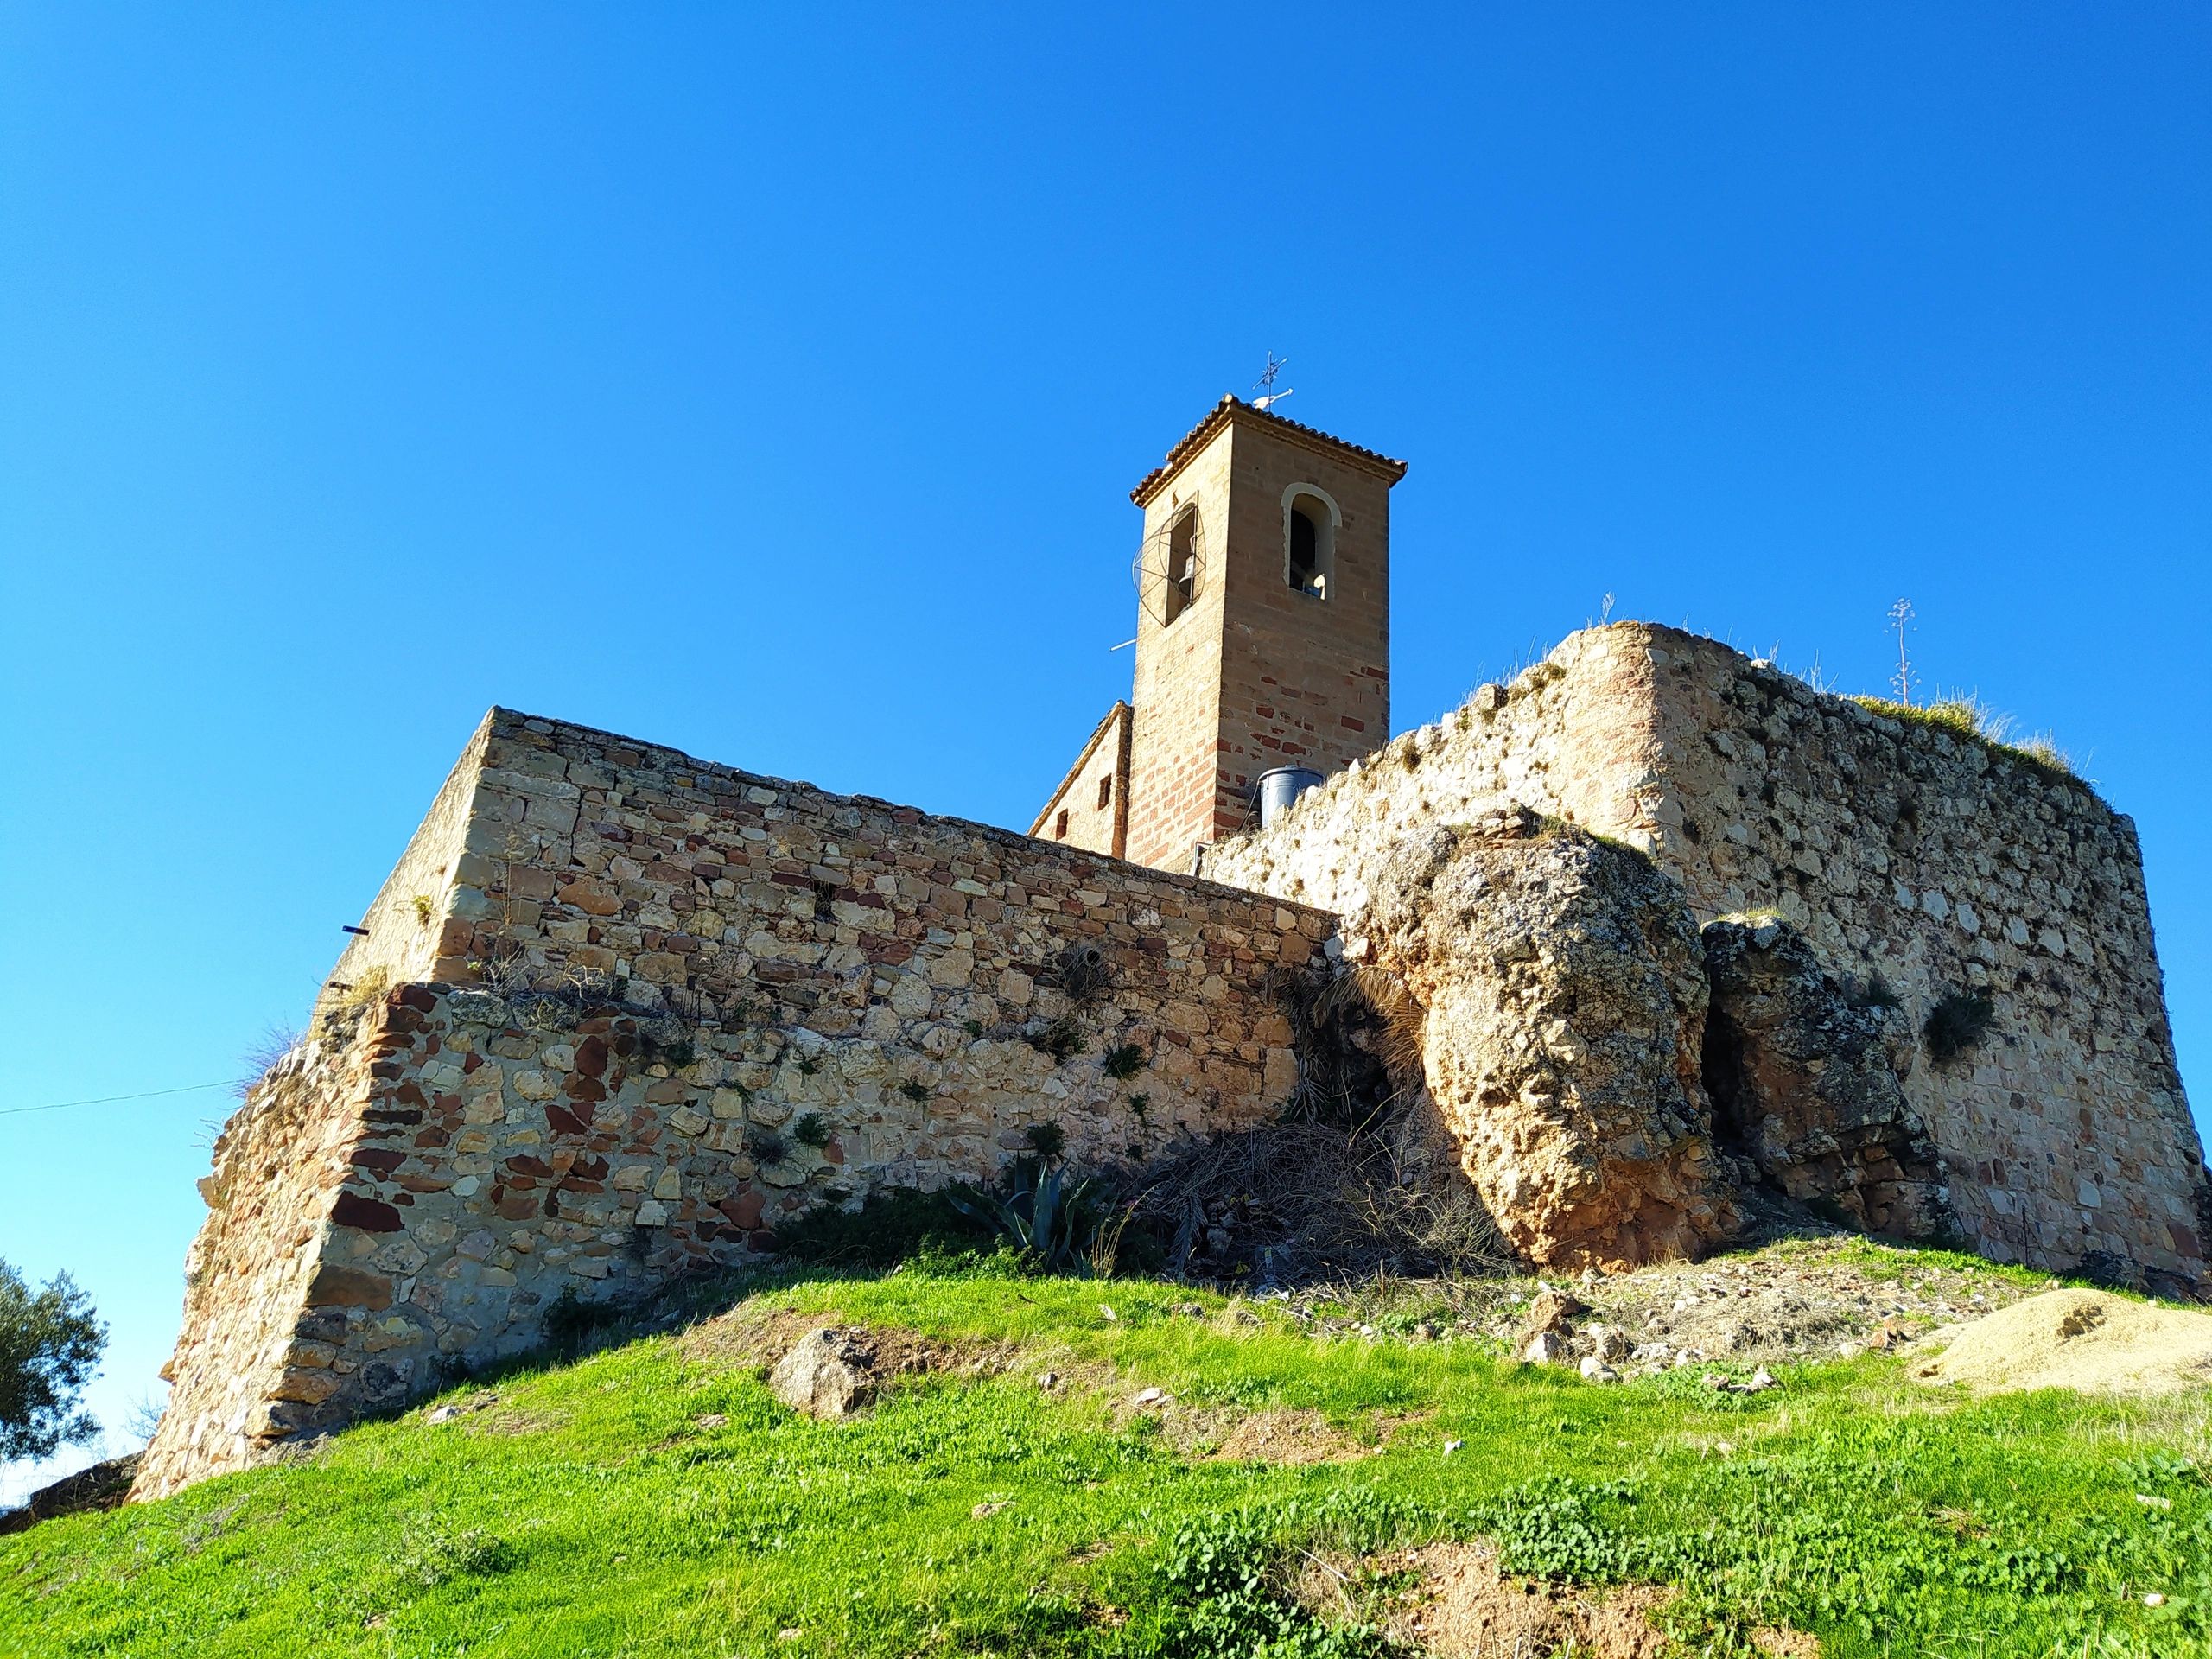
column 1279, row 787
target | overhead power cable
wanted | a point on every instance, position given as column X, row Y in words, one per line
column 110, row 1100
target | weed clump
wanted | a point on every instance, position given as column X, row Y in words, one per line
column 1124, row 1061
column 433, row 1555
column 1062, row 1038
column 1970, row 718
column 1958, row 1023
column 1872, row 992
column 813, row 1129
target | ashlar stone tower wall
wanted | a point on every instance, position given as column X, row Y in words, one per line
column 1939, row 862
column 1263, row 631
column 621, row 1013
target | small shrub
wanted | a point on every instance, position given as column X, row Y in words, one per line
column 425, row 907
column 1957, row 1023
column 1141, row 1103
column 1124, row 1061
column 973, row 1028
column 768, row 1145
column 812, row 1129
column 1047, row 1140
column 1062, row 1038
column 915, row 1089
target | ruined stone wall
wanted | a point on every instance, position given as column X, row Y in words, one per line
column 673, row 1007
column 1940, row 862
column 250, row 1364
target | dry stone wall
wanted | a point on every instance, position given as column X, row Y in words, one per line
column 1945, row 865
column 670, row 1008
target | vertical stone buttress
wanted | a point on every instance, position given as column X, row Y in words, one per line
column 1255, row 673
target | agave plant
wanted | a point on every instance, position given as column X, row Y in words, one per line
column 1060, row 1226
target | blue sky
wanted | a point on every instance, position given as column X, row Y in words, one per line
column 771, row 385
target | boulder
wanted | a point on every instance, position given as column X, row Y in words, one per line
column 1558, row 985
column 828, row 1373
column 1551, row 1309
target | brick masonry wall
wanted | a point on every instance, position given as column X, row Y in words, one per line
column 1937, row 861
column 1306, row 681
column 651, row 972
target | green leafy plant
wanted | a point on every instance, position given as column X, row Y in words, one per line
column 812, row 1129
column 1124, row 1061
column 768, row 1145
column 915, row 1089
column 1048, row 1139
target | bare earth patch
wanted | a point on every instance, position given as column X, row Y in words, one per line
column 2082, row 1339
column 1289, row 1438
column 1785, row 1643
column 1460, row 1607
column 746, row 1337
column 1784, row 1302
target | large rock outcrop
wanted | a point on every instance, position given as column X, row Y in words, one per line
column 1806, row 1076
column 1559, row 991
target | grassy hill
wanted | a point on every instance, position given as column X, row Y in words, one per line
column 652, row 1498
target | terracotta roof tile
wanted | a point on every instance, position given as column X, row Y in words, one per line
column 1232, row 408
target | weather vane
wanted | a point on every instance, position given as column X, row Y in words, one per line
column 1265, row 385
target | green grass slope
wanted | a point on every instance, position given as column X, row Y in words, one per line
column 653, row 1500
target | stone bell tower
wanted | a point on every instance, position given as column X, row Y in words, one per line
column 1263, row 624
column 1263, row 636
